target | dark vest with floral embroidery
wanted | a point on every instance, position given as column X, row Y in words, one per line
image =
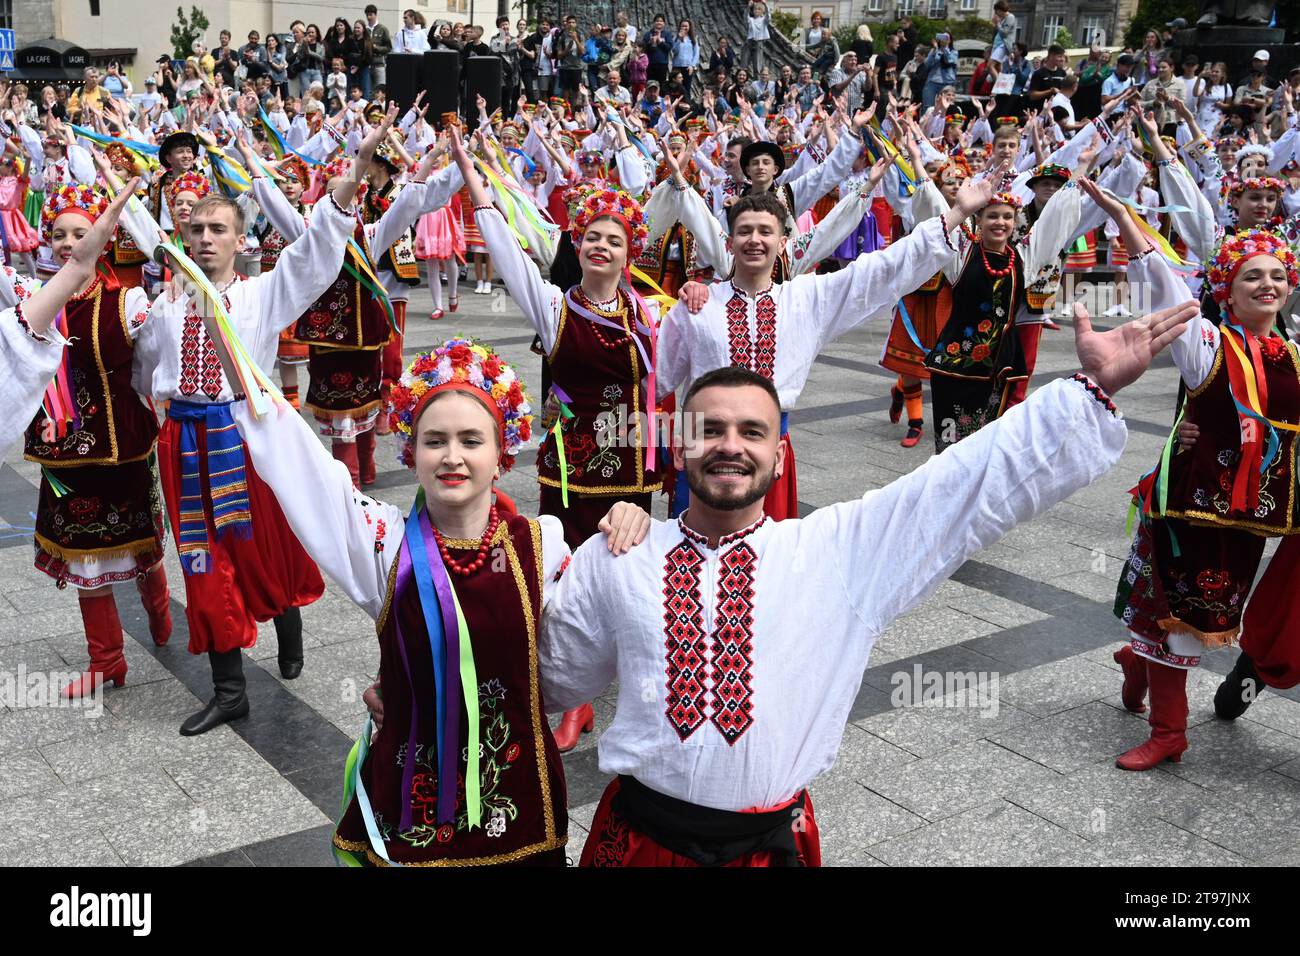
column 601, row 372
column 521, row 774
column 346, row 316
column 1201, row 478
column 115, row 425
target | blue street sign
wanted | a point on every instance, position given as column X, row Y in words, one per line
column 7, row 47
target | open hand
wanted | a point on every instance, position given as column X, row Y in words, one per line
column 1118, row 358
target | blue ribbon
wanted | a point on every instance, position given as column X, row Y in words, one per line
column 433, row 626
column 909, row 328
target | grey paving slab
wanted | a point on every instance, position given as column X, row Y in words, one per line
column 956, row 780
column 851, row 818
column 931, row 728
column 87, row 848
column 995, row 833
column 1062, row 685
column 160, row 699
column 25, row 771
column 1075, row 738
column 1251, row 819
column 1221, row 754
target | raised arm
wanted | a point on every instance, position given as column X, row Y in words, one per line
column 824, row 177
column 537, row 299
column 353, row 538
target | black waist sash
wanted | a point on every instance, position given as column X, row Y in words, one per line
column 709, row 837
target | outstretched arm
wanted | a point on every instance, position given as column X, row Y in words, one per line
column 536, row 298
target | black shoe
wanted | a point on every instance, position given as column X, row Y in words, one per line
column 1239, row 689
column 288, row 631
column 229, row 702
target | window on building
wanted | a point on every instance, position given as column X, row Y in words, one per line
column 94, row 8
column 904, row 8
column 875, row 6
column 1051, row 27
column 968, row 5
column 1092, row 29
column 6, row 14
column 938, row 10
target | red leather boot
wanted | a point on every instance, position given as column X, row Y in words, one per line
column 346, row 452
column 157, row 603
column 1168, row 719
column 575, row 723
column 104, row 640
column 366, row 457
column 1135, row 679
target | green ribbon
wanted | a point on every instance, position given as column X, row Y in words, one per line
column 469, row 687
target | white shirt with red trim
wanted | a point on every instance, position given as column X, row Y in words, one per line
column 737, row 665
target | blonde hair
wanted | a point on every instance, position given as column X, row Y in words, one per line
column 864, row 32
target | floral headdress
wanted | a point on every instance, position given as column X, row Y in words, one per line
column 1258, row 182
column 295, row 167
column 1254, row 149
column 957, row 164
column 514, row 129
column 467, row 366
column 82, row 199
column 1050, row 171
column 190, row 182
column 1235, row 250
column 613, row 202
column 1005, row 199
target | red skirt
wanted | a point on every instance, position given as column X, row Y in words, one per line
column 929, row 312
column 614, row 843
column 248, row 580
column 1270, row 629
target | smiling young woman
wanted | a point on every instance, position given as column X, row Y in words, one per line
column 601, row 349
column 458, row 587
column 1208, row 508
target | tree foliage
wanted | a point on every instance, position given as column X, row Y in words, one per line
column 186, row 30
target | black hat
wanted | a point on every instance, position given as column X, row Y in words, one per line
column 762, row 148
column 177, row 139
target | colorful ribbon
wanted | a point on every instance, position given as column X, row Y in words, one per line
column 146, row 153
column 565, row 412
column 60, row 408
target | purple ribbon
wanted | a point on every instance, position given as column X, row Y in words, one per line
column 448, row 752
column 572, row 301
column 404, row 576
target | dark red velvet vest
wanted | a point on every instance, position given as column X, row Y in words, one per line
column 601, row 371
column 522, row 777
column 116, row 426
column 1200, row 479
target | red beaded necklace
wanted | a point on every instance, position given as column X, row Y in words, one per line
column 609, row 343
column 465, row 570
column 999, row 273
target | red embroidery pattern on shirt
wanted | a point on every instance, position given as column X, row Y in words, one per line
column 733, row 643
column 193, row 339
column 738, row 330
column 760, row 356
column 765, row 346
column 684, row 639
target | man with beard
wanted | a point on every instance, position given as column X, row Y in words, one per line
column 739, row 643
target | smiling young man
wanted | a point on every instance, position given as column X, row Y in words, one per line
column 242, row 564
column 777, row 329
column 739, row 643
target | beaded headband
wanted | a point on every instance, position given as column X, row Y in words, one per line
column 468, row 366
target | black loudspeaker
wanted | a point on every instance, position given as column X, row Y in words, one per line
column 441, row 83
column 482, row 75
column 404, row 78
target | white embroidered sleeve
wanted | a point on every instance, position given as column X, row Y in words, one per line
column 353, row 538
column 537, row 299
column 1193, row 351
column 1043, row 450
column 577, row 653
column 27, row 363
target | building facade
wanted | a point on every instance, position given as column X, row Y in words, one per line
column 137, row 32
